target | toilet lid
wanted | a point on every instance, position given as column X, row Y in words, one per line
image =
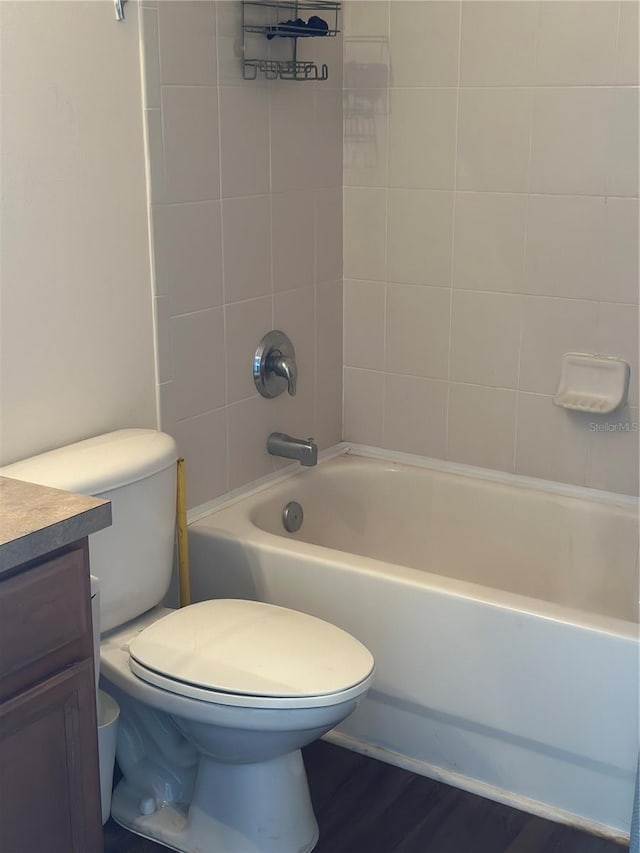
column 253, row 649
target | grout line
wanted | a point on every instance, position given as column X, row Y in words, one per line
column 383, row 425
column 500, row 86
column 523, row 301
column 453, row 231
column 222, row 253
column 442, row 190
column 618, row 39
column 269, row 89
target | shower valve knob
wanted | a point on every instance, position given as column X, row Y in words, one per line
column 274, row 365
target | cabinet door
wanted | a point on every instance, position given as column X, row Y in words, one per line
column 49, row 789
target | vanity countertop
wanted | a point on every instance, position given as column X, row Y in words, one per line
column 35, row 520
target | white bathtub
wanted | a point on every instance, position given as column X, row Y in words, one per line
column 502, row 613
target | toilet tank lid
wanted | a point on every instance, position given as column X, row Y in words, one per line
column 99, row 464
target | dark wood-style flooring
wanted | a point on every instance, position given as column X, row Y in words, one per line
column 365, row 806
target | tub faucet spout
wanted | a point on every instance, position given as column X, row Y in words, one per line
column 306, row 452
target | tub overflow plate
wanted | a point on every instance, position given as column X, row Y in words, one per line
column 292, row 516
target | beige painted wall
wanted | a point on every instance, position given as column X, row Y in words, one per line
column 491, row 224
column 246, row 192
column 76, row 323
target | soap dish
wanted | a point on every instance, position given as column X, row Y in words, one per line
column 592, row 383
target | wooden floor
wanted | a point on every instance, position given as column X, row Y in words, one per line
column 364, row 806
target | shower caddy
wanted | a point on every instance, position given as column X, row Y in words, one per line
column 267, row 19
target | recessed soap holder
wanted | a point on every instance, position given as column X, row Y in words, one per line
column 592, row 383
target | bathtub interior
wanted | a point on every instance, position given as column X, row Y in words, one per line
column 575, row 551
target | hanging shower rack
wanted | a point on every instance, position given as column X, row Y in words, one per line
column 271, row 27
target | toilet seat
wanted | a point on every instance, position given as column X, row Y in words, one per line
column 251, row 654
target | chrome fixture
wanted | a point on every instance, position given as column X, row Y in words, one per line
column 119, row 4
column 292, row 517
column 306, row 452
column 274, row 365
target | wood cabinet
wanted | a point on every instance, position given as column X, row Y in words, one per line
column 49, row 780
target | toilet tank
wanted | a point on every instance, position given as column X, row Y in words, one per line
column 135, row 469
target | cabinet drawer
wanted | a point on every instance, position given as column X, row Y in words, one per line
column 45, row 619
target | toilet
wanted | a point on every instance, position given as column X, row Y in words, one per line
column 216, row 698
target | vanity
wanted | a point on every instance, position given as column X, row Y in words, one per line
column 49, row 780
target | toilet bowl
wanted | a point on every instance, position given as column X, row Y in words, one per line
column 216, row 699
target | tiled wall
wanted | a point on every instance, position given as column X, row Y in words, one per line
column 246, row 201
column 491, row 224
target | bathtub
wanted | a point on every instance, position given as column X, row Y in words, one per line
column 502, row 612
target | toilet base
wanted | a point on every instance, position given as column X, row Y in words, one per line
column 236, row 808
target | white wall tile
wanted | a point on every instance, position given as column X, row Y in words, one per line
column 363, row 411
column 328, row 234
column 621, row 249
column 366, row 60
column 328, row 364
column 613, row 452
column 247, row 247
column 419, row 236
column 628, row 69
column 292, row 137
column 294, row 313
column 565, row 247
column 577, row 43
column 498, row 43
column 188, row 254
column 424, row 43
column 190, row 127
column 244, row 136
column 365, row 233
column 325, row 165
column 551, row 327
column 482, row 424
column 366, row 16
column 422, row 137
column 364, row 316
column 494, row 128
column 415, row 415
column 187, row 42
column 198, row 362
column 203, row 443
column 167, row 421
column 366, row 120
column 570, row 141
column 245, row 325
column 292, row 235
column 623, row 149
column 417, row 341
column 485, row 338
column 249, row 423
column 164, row 348
column 551, row 443
column 617, row 336
column 489, row 241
